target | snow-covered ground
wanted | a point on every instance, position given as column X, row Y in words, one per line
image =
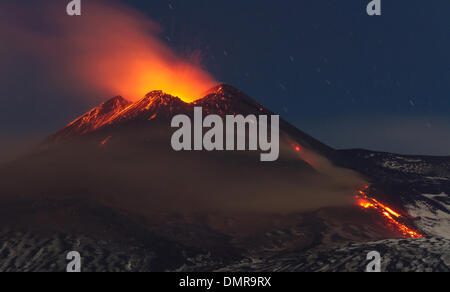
column 397, row 255
column 433, row 213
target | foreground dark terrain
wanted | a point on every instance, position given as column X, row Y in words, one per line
column 108, row 186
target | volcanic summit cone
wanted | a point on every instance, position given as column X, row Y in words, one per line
column 158, row 106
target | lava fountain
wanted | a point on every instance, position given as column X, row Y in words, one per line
column 112, row 49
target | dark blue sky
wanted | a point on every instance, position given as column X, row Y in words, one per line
column 348, row 79
column 326, row 66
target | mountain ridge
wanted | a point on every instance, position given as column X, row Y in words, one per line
column 221, row 100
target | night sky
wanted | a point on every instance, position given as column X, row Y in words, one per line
column 350, row 80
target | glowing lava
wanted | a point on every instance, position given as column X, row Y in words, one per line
column 393, row 218
column 178, row 79
column 104, row 142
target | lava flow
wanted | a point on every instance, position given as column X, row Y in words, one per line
column 393, row 217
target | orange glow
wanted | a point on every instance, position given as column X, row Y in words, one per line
column 393, row 218
column 365, row 204
column 153, row 72
column 104, row 142
column 115, row 50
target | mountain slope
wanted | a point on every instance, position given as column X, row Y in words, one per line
column 125, row 147
column 112, row 175
column 222, row 100
column 93, row 120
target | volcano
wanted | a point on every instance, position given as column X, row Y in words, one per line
column 112, row 176
column 127, row 140
column 158, row 106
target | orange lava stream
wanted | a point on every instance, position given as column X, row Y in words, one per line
column 393, row 218
column 104, row 142
column 389, row 214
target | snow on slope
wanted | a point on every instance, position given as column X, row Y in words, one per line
column 434, row 213
column 397, row 255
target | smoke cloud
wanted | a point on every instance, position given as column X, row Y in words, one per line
column 111, row 49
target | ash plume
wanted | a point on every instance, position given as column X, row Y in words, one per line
column 110, row 50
